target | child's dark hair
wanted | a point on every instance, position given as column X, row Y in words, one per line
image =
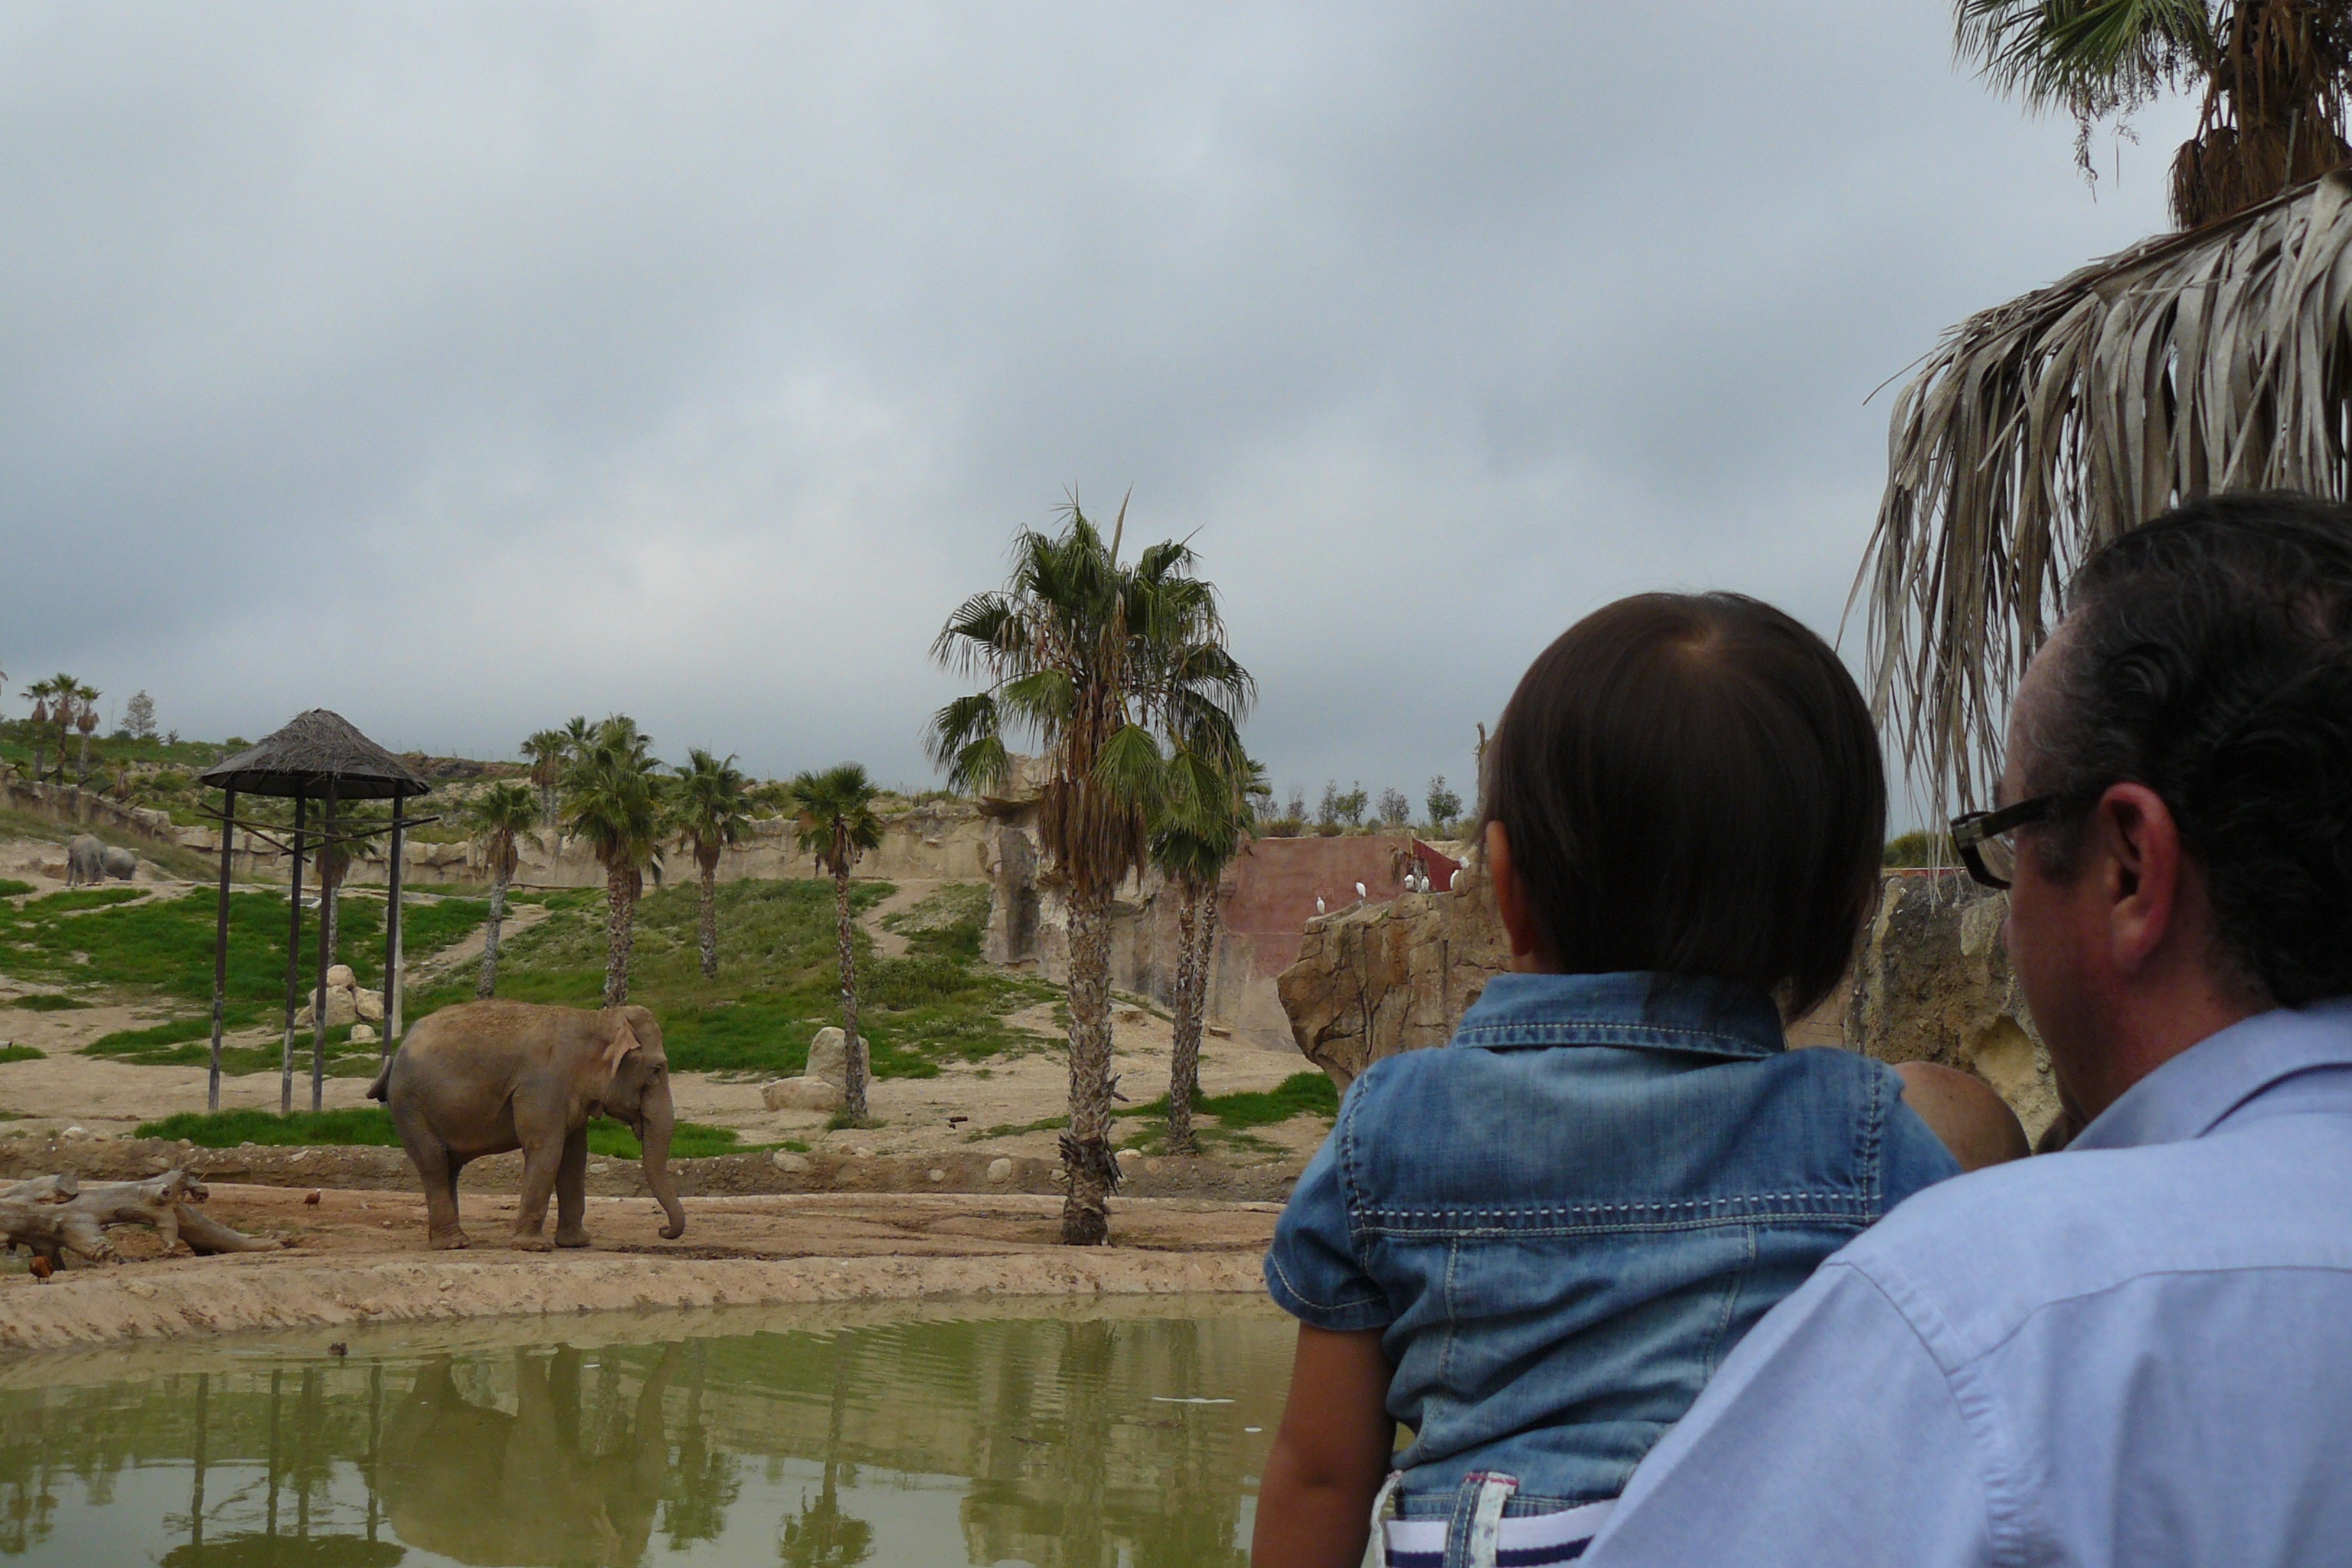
column 1690, row 782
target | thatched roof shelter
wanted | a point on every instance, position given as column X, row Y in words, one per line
column 317, row 748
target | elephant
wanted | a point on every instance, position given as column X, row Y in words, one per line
column 85, row 860
column 487, row 1076
column 541, row 1486
column 119, row 864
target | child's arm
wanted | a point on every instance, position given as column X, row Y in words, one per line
column 1329, row 1456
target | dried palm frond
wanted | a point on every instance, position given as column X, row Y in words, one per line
column 2216, row 360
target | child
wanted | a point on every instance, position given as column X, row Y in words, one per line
column 1532, row 1246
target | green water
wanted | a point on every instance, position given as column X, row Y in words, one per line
column 1076, row 1440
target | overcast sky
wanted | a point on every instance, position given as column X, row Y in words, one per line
column 465, row 367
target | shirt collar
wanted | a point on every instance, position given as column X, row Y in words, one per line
column 2194, row 1092
column 1641, row 1008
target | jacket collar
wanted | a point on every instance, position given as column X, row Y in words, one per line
column 1656, row 1011
column 2205, row 1085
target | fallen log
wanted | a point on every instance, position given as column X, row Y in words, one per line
column 164, row 1203
column 43, row 1189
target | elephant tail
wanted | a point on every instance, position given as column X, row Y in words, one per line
column 381, row 1088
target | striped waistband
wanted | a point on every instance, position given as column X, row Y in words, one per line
column 1529, row 1541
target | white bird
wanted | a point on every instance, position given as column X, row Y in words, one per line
column 1319, row 903
column 1360, row 894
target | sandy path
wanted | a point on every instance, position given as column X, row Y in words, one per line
column 911, row 891
column 358, row 1259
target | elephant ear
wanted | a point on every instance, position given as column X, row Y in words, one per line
column 625, row 1040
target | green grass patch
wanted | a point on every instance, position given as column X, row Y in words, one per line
column 779, row 980
column 1300, row 1094
column 947, row 924
column 15, row 1053
column 10, row 888
column 44, row 1002
column 367, row 1126
column 371, row 1127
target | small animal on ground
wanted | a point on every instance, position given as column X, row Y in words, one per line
column 41, row 1268
column 488, row 1077
column 312, row 1200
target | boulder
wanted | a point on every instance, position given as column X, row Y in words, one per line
column 999, row 1169
column 340, row 1009
column 828, row 1058
column 794, row 1165
column 1934, row 984
column 340, row 978
column 801, row 1094
column 368, row 1006
column 1379, row 979
column 364, row 1036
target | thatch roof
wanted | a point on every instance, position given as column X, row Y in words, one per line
column 2219, row 359
column 315, row 747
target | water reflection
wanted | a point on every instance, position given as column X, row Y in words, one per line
column 1061, row 1442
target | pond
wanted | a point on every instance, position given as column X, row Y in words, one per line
column 1101, row 1437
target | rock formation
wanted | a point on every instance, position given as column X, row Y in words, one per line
column 823, row 1086
column 1934, row 983
column 1393, row 977
column 347, row 1001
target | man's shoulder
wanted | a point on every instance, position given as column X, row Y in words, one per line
column 1969, row 1260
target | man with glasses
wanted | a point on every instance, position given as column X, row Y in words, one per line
column 2137, row 1351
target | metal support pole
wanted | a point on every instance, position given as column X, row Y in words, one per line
column 392, row 975
column 326, row 958
column 293, row 965
column 220, row 944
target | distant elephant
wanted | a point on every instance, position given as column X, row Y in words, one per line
column 85, row 861
column 477, row 1485
column 488, row 1077
column 120, row 864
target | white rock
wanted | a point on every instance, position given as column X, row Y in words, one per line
column 800, row 1094
column 863, row 1152
column 999, row 1169
column 828, row 1058
column 1129, row 1157
column 599, row 1169
column 76, row 1133
column 368, row 1006
column 935, row 1174
column 361, row 1035
column 340, row 978
column 785, row 1159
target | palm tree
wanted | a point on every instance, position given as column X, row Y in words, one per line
column 1197, row 826
column 1096, row 660
column 613, row 799
column 2273, row 75
column 2192, row 362
column 547, row 750
column 497, row 817
column 710, row 810
column 834, row 813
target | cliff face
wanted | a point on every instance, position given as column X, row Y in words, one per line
column 1375, row 980
column 1932, row 982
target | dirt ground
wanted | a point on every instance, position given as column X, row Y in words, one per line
column 355, row 1258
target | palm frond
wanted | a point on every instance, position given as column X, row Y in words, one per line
column 2039, row 430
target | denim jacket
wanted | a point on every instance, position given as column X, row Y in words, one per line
column 1563, row 1219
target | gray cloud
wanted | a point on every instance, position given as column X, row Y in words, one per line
column 465, row 368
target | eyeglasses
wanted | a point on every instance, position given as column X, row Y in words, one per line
column 1984, row 841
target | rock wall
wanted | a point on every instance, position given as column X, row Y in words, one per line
column 1933, row 982
column 1395, row 976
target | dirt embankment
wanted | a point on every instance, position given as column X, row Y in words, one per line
column 359, row 1257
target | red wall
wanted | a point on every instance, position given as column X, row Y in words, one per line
column 1269, row 893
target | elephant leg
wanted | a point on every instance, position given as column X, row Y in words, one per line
column 542, row 1154
column 571, row 1190
column 439, row 1175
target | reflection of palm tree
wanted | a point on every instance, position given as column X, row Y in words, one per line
column 702, row 1483
column 822, row 1536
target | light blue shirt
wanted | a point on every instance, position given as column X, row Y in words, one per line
column 2137, row 1351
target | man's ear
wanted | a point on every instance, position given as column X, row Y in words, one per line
column 1511, row 902
column 2138, row 845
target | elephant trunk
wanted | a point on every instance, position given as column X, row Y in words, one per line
column 653, row 1134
